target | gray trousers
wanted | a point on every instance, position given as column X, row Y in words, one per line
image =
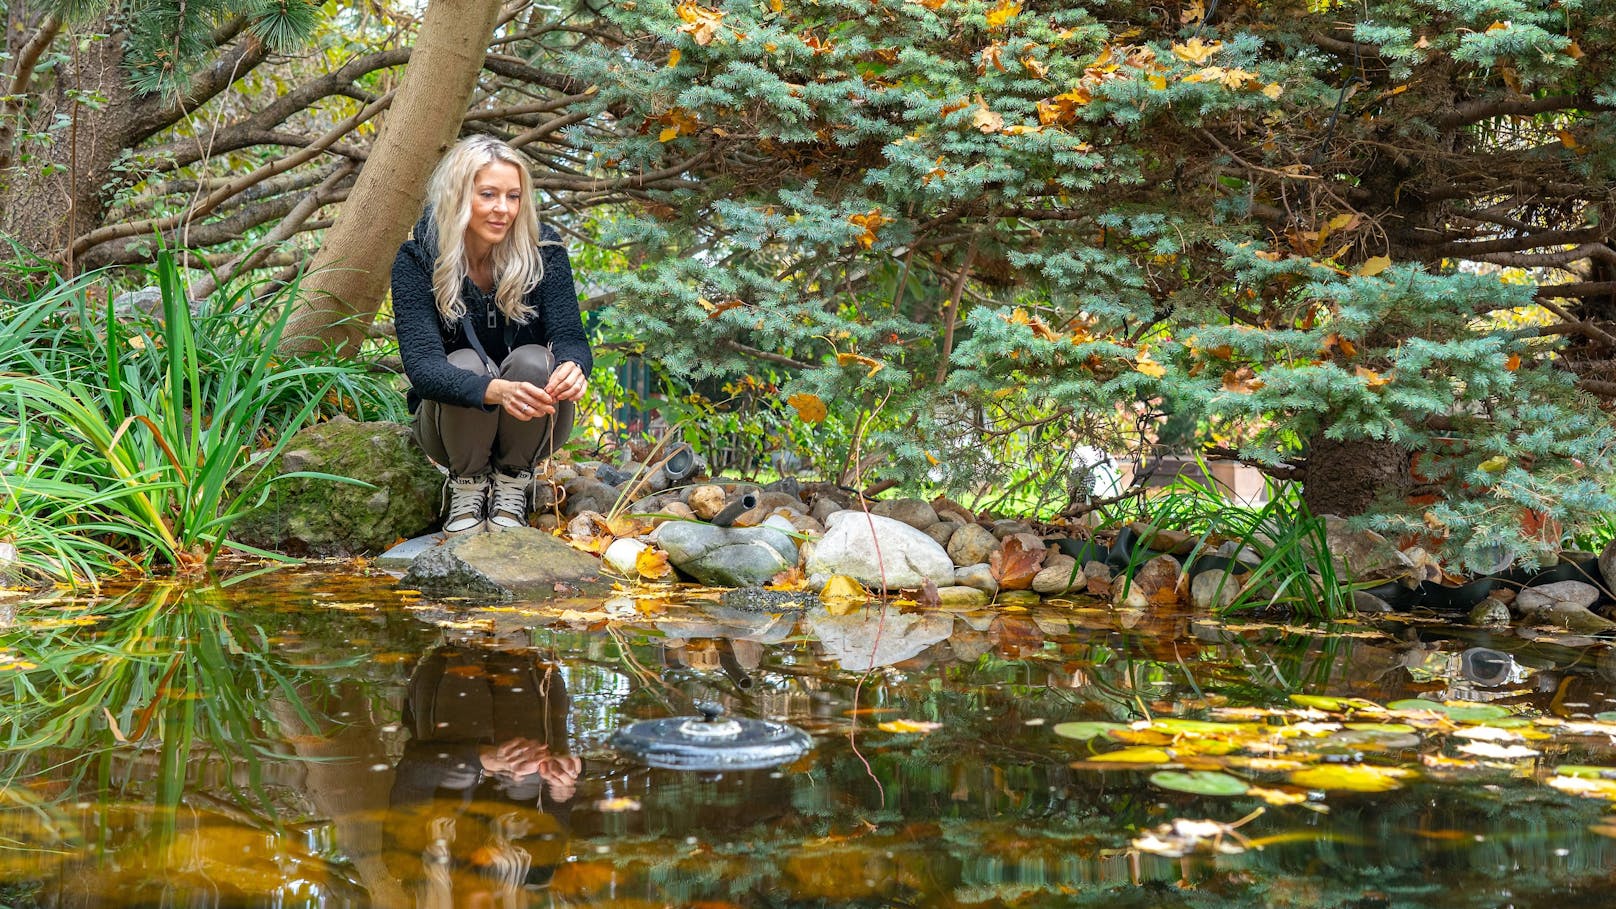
column 470, row 441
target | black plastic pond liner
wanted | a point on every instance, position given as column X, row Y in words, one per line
column 1084, row 551
column 1455, row 599
column 1215, row 563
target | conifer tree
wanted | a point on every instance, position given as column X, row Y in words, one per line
column 1367, row 246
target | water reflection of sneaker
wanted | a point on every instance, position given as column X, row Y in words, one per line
column 509, row 508
column 468, row 498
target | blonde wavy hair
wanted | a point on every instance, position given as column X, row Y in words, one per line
column 518, row 266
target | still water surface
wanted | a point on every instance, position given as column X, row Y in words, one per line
column 319, row 737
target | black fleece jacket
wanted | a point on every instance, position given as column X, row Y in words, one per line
column 425, row 341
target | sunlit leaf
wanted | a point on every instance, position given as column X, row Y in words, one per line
column 652, row 564
column 909, row 727
column 1373, row 266
column 1500, row 752
column 1351, row 778
column 810, row 409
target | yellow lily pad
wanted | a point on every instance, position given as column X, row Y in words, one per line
column 1351, row 778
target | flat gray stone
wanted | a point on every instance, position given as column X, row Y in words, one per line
column 517, row 564
column 398, row 558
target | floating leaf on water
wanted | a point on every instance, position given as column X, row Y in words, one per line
column 1277, row 796
column 1184, row 836
column 1338, row 705
column 1140, row 736
column 1500, row 752
column 1179, row 725
column 1458, row 711
column 1351, row 778
column 616, row 805
column 1199, row 782
column 909, row 727
column 1083, row 731
column 1380, row 727
column 1365, row 739
column 1606, row 716
column 1488, row 734
column 1586, row 771
column 1607, row 827
column 1576, row 785
column 1137, row 755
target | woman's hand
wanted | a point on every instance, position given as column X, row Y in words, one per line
column 567, row 383
column 522, row 400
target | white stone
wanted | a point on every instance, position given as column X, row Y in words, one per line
column 621, row 556
column 894, row 552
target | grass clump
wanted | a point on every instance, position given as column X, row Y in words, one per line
column 139, row 441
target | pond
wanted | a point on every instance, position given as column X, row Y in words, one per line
column 321, row 737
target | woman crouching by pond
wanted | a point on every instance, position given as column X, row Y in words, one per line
column 489, row 332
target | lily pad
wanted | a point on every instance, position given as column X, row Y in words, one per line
column 1323, row 702
column 1199, row 782
column 1351, row 777
column 1380, row 727
column 1458, row 711
column 1586, row 771
column 1084, row 731
column 1606, row 716
column 1137, row 755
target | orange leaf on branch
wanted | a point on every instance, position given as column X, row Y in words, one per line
column 700, row 23
column 810, row 409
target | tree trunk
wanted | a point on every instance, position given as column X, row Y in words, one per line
column 350, row 274
column 56, row 188
column 1348, row 477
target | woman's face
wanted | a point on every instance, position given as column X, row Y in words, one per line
column 496, row 197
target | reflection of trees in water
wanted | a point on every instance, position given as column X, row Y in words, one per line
column 165, row 737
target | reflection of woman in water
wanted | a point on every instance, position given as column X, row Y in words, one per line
column 482, row 797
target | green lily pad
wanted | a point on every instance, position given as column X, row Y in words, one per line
column 1199, row 782
column 1458, row 712
column 1381, row 727
column 1084, row 731
column 1586, row 771
column 1606, row 716
column 1335, row 705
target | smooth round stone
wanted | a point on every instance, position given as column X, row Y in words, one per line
column 979, row 576
column 942, row 531
column 960, row 595
column 1490, row 613
column 1019, row 598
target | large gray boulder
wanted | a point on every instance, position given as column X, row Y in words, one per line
column 1564, row 603
column 324, row 517
column 1362, row 555
column 521, row 563
column 728, row 556
column 873, row 549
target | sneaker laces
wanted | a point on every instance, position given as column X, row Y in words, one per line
column 467, row 496
column 510, row 498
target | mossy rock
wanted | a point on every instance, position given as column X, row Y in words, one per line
column 305, row 516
